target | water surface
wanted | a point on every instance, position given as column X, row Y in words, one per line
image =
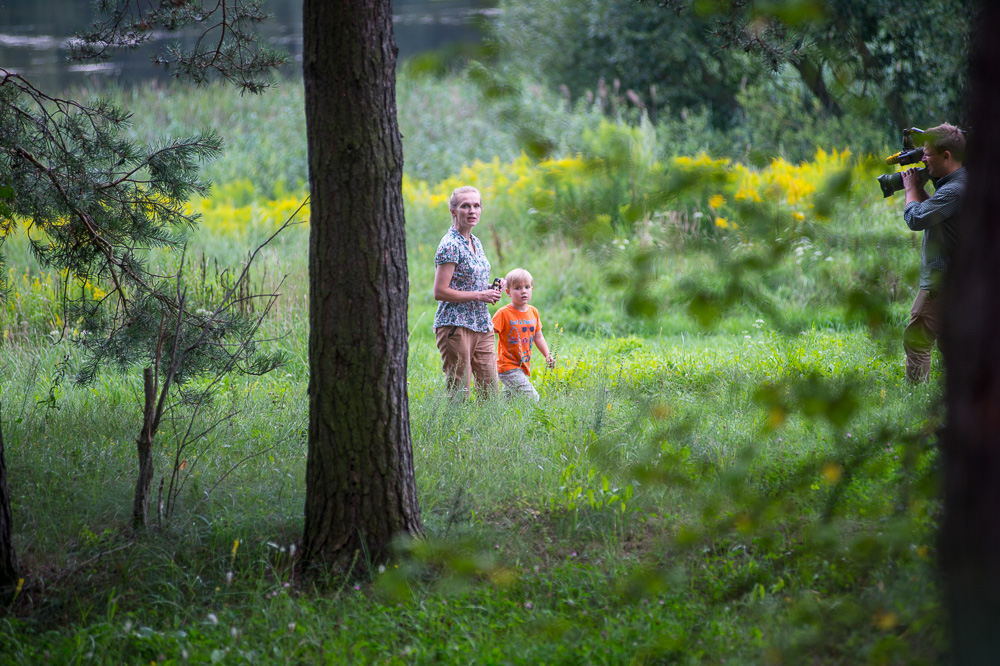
column 35, row 37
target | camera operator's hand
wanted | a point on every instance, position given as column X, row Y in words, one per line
column 913, row 185
column 911, row 179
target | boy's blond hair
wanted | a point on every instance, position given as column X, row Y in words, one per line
column 519, row 276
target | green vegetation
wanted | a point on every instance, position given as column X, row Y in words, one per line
column 759, row 490
column 845, row 71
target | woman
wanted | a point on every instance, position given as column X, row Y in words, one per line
column 462, row 324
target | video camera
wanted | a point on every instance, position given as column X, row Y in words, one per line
column 910, row 154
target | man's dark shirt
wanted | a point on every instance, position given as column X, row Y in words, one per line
column 938, row 219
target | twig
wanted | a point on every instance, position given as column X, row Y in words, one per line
column 72, row 570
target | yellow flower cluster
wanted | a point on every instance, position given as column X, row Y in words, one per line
column 32, row 305
column 783, row 182
column 521, row 183
column 701, row 161
column 35, row 302
column 223, row 216
column 520, row 180
column 780, row 183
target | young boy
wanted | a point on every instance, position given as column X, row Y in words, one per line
column 518, row 325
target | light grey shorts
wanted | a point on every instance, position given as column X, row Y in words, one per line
column 516, row 383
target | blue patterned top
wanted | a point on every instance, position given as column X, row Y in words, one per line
column 472, row 273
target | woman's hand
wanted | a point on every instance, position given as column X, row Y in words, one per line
column 442, row 292
column 490, row 295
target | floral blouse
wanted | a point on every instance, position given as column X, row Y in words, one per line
column 472, row 273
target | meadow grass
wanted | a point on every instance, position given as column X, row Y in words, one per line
column 523, row 564
column 757, row 491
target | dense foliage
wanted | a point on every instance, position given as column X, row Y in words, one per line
column 647, row 56
column 849, row 71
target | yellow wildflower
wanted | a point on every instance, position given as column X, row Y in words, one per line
column 831, row 473
column 745, row 194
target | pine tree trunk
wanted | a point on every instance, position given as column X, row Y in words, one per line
column 8, row 556
column 144, row 450
column 360, row 486
column 970, row 534
column 811, row 75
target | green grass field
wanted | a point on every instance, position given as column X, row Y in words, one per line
column 760, row 490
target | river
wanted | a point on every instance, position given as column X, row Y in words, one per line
column 35, row 34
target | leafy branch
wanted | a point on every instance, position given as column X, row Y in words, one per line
column 227, row 45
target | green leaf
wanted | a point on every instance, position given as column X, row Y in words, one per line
column 794, row 12
column 836, row 187
column 641, row 305
column 704, row 309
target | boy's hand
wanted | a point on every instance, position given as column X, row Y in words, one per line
column 550, row 360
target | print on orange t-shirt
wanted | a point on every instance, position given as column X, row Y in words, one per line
column 517, row 332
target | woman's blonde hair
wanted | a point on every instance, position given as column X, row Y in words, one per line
column 453, row 199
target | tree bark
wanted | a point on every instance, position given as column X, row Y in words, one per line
column 970, row 533
column 9, row 571
column 360, row 486
column 811, row 75
column 144, row 450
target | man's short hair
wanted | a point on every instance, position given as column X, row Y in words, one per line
column 947, row 137
column 519, row 276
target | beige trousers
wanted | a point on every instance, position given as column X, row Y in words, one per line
column 467, row 354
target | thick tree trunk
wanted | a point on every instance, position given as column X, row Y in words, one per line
column 8, row 556
column 144, row 450
column 812, row 77
column 970, row 535
column 360, row 487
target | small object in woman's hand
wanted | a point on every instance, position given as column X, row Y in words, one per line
column 496, row 284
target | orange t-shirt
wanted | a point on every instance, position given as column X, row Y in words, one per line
column 517, row 331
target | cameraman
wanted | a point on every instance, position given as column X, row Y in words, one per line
column 937, row 217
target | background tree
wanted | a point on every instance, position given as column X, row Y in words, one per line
column 875, row 61
column 665, row 59
column 899, row 64
column 360, row 487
